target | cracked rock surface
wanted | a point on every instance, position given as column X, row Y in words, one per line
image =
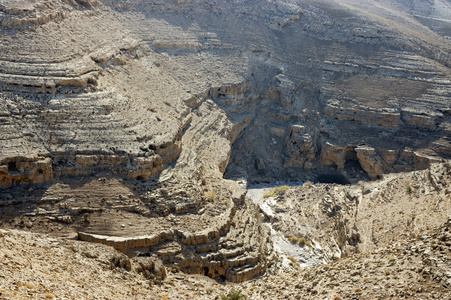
column 134, row 125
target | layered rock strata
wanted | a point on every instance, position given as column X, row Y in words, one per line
column 121, row 118
column 234, row 250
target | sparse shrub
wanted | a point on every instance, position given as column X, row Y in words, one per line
column 277, row 191
column 49, row 296
column 293, row 263
column 282, row 189
column 301, row 241
column 307, row 183
column 267, row 194
column 234, row 295
column 336, row 297
column 387, row 272
column 409, row 188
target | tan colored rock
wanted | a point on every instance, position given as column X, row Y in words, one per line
column 389, row 156
column 102, row 107
column 371, row 162
column 442, row 145
column 419, row 120
column 22, row 170
column 150, row 267
column 386, row 118
column 87, row 160
column 332, row 155
column 246, row 259
column 146, row 167
column 300, row 145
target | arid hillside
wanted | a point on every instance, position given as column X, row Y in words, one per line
column 287, row 148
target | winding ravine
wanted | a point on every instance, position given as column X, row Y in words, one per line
column 306, row 256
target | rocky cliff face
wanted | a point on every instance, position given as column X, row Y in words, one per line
column 113, row 111
column 366, row 90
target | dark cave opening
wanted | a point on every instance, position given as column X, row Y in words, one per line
column 12, row 167
column 332, row 178
column 352, row 170
column 351, row 154
column 221, row 279
column 352, row 164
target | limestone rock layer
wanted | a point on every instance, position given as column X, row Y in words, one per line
column 122, row 118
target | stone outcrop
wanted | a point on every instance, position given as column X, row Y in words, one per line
column 364, row 115
column 301, row 147
column 25, row 170
column 439, row 176
column 151, row 268
column 234, row 250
